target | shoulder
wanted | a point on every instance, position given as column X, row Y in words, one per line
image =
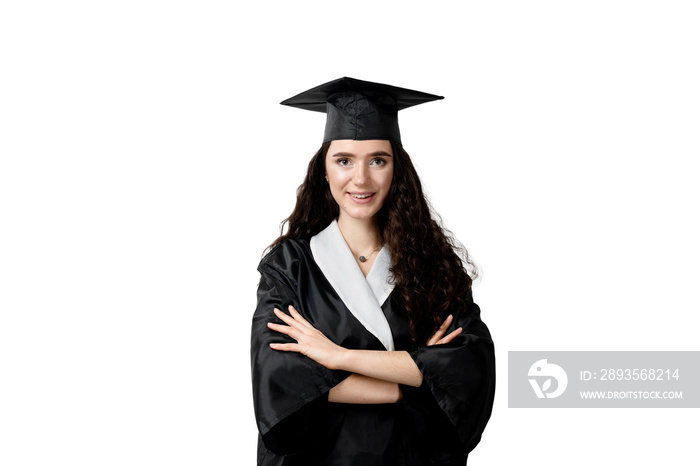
column 287, row 255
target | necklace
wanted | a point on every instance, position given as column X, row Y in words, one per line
column 367, row 256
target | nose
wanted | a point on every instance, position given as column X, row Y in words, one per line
column 361, row 174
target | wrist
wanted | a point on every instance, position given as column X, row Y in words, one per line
column 341, row 362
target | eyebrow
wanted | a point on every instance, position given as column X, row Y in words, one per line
column 379, row 153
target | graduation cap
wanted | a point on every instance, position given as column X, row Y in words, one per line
column 359, row 109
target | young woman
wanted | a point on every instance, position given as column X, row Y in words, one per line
column 367, row 348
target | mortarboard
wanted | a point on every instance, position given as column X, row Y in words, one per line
column 359, row 109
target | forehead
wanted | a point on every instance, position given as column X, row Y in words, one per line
column 351, row 146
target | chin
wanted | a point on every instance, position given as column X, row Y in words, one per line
column 360, row 215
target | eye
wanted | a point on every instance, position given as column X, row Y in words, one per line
column 378, row 162
column 343, row 162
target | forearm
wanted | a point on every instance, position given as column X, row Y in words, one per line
column 360, row 389
column 390, row 366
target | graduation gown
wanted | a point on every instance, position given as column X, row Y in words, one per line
column 438, row 423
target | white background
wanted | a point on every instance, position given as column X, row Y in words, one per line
column 146, row 165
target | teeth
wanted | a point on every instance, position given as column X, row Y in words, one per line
column 361, row 196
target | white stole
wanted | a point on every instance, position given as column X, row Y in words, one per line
column 362, row 296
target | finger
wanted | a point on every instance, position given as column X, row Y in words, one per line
column 285, row 347
column 440, row 331
column 287, row 319
column 450, row 337
column 298, row 317
column 436, row 337
column 446, row 323
column 443, row 328
column 283, row 329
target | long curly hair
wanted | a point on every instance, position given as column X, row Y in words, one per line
column 431, row 271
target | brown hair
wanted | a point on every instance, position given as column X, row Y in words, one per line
column 428, row 264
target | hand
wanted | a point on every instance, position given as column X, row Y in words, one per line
column 310, row 342
column 438, row 339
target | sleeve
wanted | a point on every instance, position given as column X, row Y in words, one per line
column 290, row 391
column 458, row 381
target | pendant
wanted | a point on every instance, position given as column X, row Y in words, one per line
column 363, row 258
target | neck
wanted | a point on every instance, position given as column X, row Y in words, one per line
column 362, row 236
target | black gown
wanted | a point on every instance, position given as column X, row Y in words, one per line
column 438, row 423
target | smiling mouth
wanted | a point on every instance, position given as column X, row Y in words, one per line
column 361, row 196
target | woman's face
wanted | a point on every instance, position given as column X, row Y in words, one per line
column 359, row 174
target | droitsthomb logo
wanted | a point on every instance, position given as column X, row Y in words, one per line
column 541, row 370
